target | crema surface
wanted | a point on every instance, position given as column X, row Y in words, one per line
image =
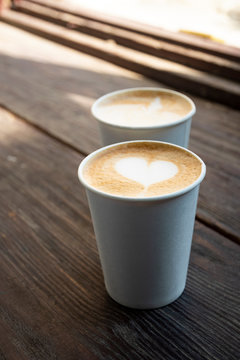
column 143, row 108
column 142, row 169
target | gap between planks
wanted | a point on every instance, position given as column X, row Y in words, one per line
column 199, row 217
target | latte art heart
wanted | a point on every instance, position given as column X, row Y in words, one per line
column 142, row 169
column 139, row 170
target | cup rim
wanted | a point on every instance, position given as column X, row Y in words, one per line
column 139, row 199
column 149, row 127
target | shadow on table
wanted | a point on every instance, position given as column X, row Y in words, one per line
column 58, row 98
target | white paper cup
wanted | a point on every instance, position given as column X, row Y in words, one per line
column 144, row 243
column 176, row 132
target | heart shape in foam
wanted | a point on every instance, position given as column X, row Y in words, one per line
column 138, row 169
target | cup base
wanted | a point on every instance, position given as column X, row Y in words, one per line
column 149, row 305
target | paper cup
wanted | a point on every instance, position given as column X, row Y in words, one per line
column 144, row 243
column 176, row 132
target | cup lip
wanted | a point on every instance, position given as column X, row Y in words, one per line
column 149, row 127
column 139, row 199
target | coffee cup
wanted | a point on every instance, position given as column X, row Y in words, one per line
column 144, row 114
column 142, row 197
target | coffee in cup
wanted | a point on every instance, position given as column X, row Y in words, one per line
column 146, row 114
column 143, row 197
column 143, row 108
column 142, row 169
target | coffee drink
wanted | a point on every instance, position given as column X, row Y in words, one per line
column 144, row 239
column 143, row 108
column 142, row 169
column 144, row 114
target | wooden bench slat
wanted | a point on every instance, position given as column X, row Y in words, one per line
column 172, row 74
column 187, row 41
column 146, row 44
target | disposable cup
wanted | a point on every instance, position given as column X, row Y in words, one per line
column 144, row 243
column 176, row 132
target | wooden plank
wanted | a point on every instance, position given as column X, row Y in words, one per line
column 56, row 96
column 215, row 137
column 187, row 41
column 52, row 295
column 146, row 44
column 179, row 76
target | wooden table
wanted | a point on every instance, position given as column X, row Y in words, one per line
column 53, row 304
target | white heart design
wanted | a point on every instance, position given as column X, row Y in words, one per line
column 139, row 170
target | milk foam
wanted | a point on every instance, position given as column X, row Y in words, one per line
column 154, row 105
column 138, row 169
column 142, row 169
column 143, row 108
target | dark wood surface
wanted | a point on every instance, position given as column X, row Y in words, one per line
column 53, row 304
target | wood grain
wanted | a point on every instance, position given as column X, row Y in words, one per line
column 53, row 302
column 54, row 87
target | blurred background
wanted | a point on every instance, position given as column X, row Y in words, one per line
column 218, row 20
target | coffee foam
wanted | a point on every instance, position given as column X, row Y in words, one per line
column 142, row 169
column 141, row 108
column 139, row 170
